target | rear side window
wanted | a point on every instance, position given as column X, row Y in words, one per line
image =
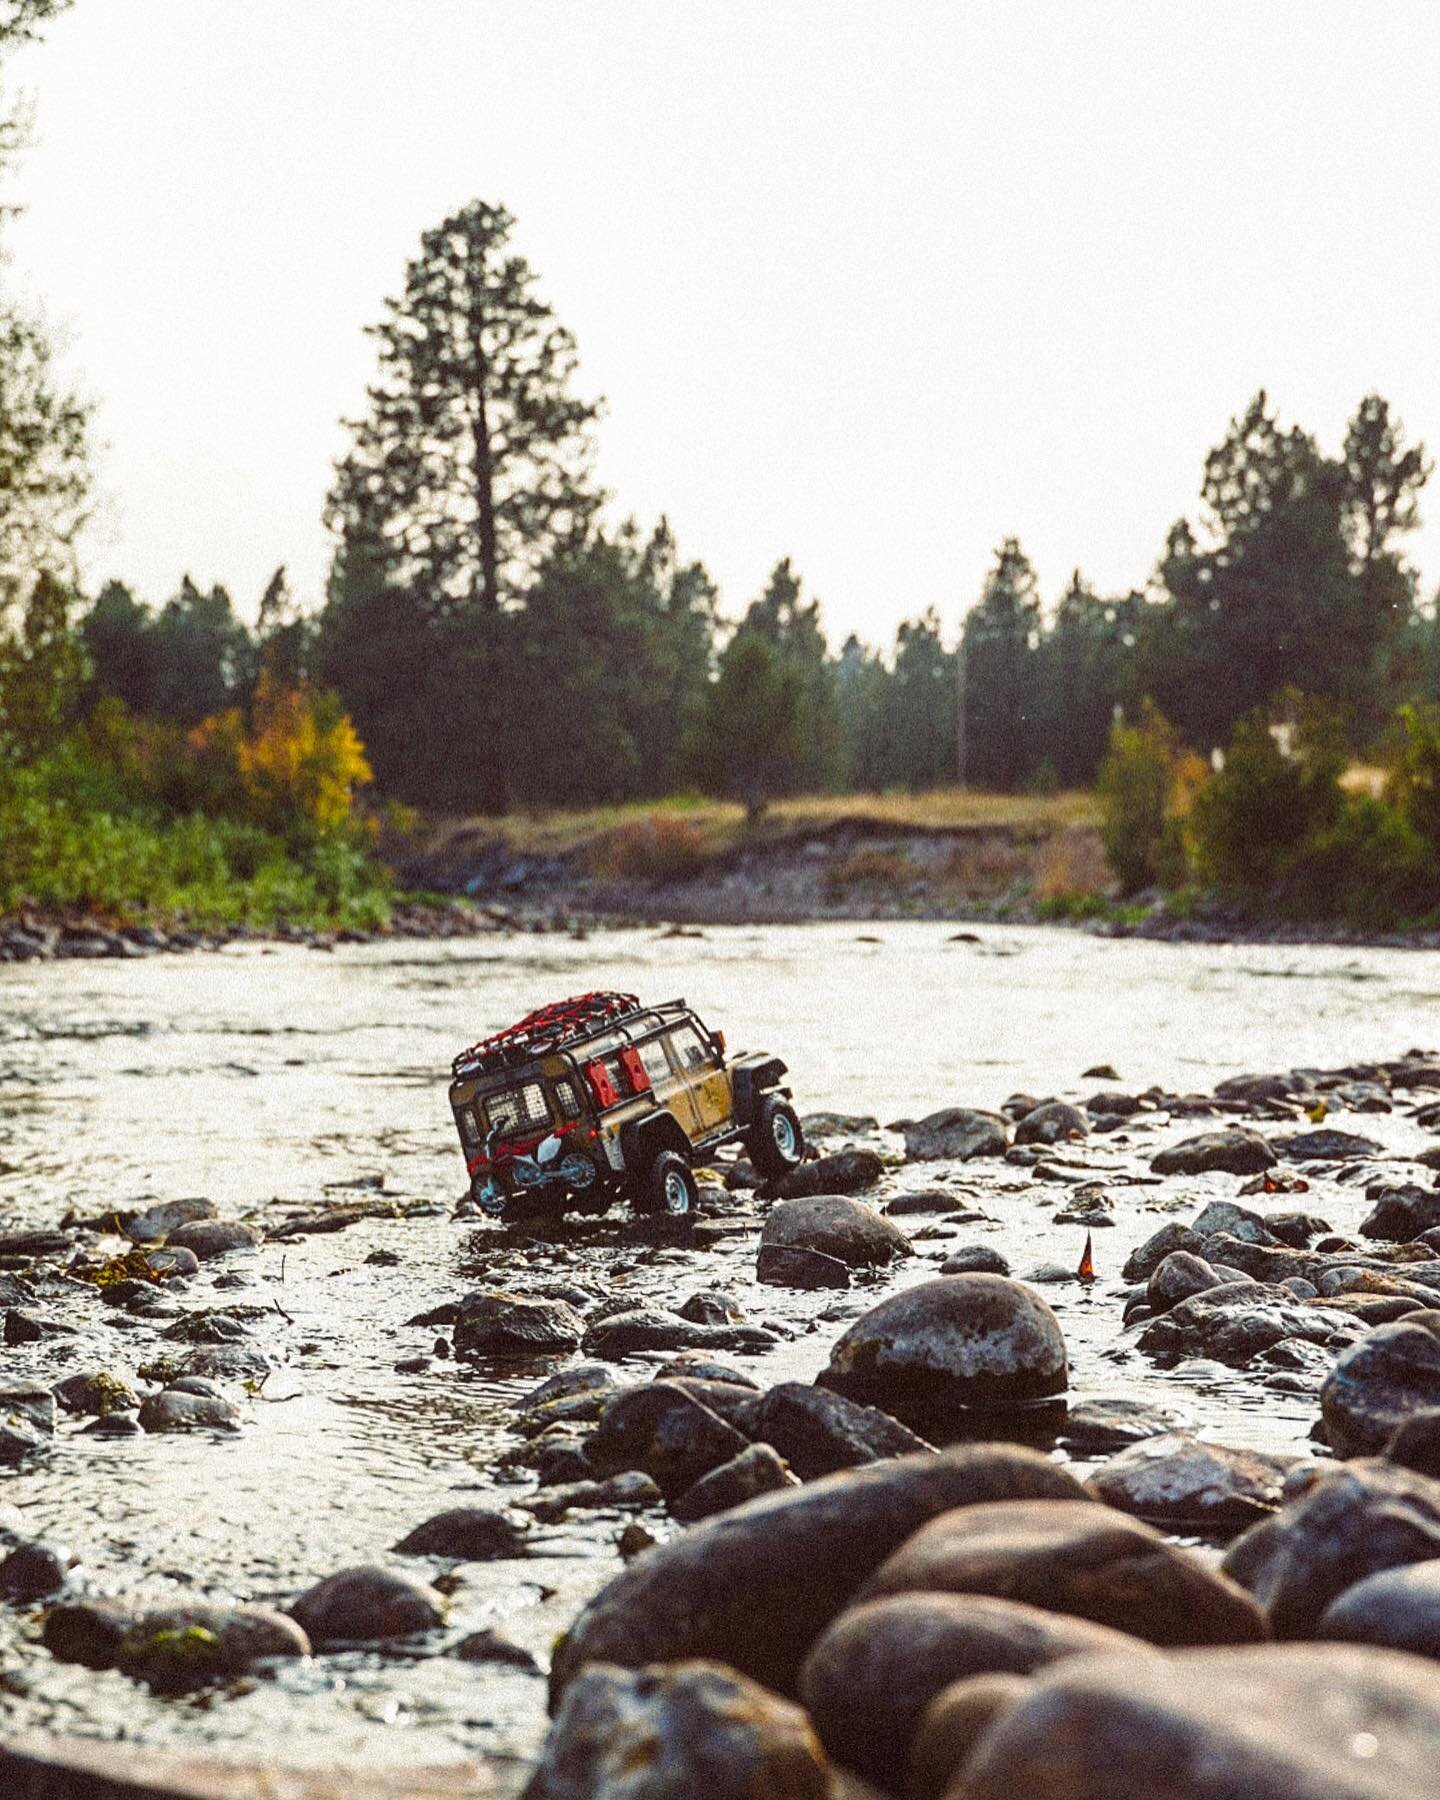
column 518, row 1109
column 469, row 1128
column 567, row 1101
column 657, row 1065
column 689, row 1051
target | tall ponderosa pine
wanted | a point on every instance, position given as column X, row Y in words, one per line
column 469, row 469
column 1001, row 636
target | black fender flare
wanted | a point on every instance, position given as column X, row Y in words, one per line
column 752, row 1081
column 642, row 1140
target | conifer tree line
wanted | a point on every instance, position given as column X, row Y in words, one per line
column 500, row 641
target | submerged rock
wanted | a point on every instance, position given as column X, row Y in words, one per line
column 631, row 1490
column 1389, row 1376
column 790, row 1559
column 1079, row 1558
column 182, row 1647
column 662, row 1429
column 367, row 1603
column 505, row 1324
column 1234, row 1151
column 175, row 1410
column 956, row 1343
column 1095, row 1427
column 650, row 1328
column 470, row 1533
column 870, row 1677
column 687, row 1730
column 1306, row 1722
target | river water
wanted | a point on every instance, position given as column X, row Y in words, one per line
column 276, row 1079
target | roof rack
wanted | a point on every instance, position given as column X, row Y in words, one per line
column 544, row 1031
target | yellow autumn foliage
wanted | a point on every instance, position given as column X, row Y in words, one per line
column 301, row 759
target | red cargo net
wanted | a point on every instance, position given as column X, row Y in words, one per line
column 547, row 1029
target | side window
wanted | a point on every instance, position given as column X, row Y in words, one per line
column 469, row 1129
column 567, row 1101
column 657, row 1065
column 690, row 1053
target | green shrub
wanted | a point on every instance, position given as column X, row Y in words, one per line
column 1369, row 867
column 1140, row 805
column 1414, row 786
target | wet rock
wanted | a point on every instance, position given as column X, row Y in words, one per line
column 182, row 1647
column 506, row 1324
column 835, row 1124
column 1398, row 1609
column 871, row 1676
column 649, row 1328
column 1177, row 1278
column 843, row 1172
column 1017, row 1106
column 695, row 1365
column 1143, row 1262
column 492, row 1647
column 1178, row 1482
column 1258, row 1089
column 630, row 1490
column 587, row 1378
column 818, row 1432
column 1234, row 1151
column 1377, row 1384
column 27, row 1419
column 33, row 1569
column 174, row 1410
column 88, row 1632
column 467, row 1533
column 1100, row 1072
column 789, row 1265
column 1325, row 1146
column 756, row 1470
column 157, row 1222
column 680, row 1732
column 114, row 1425
column 24, row 1326
column 176, row 1264
column 1353, row 1520
column 711, row 1307
column 975, row 1259
column 1074, row 1557
column 660, row 1428
column 1401, row 1214
column 944, row 1346
column 923, row 1201
column 1237, row 1321
column 97, row 1394
column 956, row 1134
column 1235, row 1221
column 1296, row 1229
column 34, row 1243
column 850, row 1231
column 1053, row 1122
column 1096, row 1427
column 206, row 1239
column 1311, row 1722
column 794, row 1557
column 1416, row 1442
column 366, row 1604
column 952, row 1725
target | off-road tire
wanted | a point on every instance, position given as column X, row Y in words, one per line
column 671, row 1190
column 775, row 1142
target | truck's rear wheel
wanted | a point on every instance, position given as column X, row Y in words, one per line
column 671, row 1189
column 775, row 1141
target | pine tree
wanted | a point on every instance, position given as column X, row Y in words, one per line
column 1001, row 638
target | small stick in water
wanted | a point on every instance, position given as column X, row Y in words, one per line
column 1086, row 1271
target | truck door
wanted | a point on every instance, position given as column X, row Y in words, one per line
column 708, row 1082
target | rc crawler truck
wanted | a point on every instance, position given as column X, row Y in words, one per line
column 597, row 1097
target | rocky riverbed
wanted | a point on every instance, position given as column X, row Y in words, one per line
column 305, row 1466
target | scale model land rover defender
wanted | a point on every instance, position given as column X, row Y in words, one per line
column 599, row 1096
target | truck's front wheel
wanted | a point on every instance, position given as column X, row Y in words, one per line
column 775, row 1141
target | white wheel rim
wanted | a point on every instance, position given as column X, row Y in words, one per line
column 783, row 1133
column 677, row 1193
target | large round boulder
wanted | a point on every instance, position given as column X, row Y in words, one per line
column 955, row 1133
column 754, row 1586
column 871, row 1676
column 367, row 1603
column 1079, row 1558
column 936, row 1351
column 1398, row 1608
column 848, row 1230
column 1234, row 1151
column 1301, row 1722
column 1052, row 1122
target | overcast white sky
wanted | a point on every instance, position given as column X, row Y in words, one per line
column 868, row 285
